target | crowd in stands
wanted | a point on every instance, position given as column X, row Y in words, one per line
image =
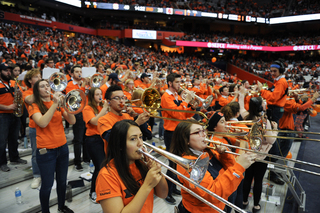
column 47, row 14
column 265, row 9
column 30, row 46
column 301, row 7
column 275, row 40
column 296, row 70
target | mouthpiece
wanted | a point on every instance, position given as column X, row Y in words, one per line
column 47, row 92
column 121, row 105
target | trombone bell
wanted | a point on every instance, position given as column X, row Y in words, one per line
column 196, row 168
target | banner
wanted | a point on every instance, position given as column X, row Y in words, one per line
column 246, row 47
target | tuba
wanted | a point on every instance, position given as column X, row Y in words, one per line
column 18, row 100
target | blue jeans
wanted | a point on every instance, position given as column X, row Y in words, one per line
column 79, row 130
column 9, row 132
column 95, row 146
column 55, row 160
column 35, row 168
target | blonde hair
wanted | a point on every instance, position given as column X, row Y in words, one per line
column 29, row 75
column 126, row 84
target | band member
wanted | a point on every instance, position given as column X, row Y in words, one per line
column 277, row 96
column 79, row 128
column 9, row 130
column 116, row 100
column 125, row 183
column 171, row 100
column 224, row 172
column 276, row 99
column 30, row 79
column 225, row 98
column 112, row 80
column 257, row 170
column 94, row 143
column 52, row 149
column 128, row 88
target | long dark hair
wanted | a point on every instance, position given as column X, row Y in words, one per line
column 117, row 150
column 180, row 139
column 37, row 98
column 255, row 107
column 92, row 102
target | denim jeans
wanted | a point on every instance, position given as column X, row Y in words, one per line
column 79, row 130
column 285, row 144
column 9, row 132
column 95, row 146
column 35, row 168
column 55, row 160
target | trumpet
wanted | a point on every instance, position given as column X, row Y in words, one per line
column 205, row 102
column 196, row 168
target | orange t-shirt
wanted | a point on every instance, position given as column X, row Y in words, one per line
column 25, row 94
column 104, row 90
column 127, row 94
column 52, row 136
column 107, row 121
column 88, row 114
column 144, row 86
column 224, row 185
column 72, row 86
column 109, row 185
column 6, row 97
column 137, row 83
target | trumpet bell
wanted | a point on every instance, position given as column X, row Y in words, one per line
column 96, row 80
column 207, row 102
column 74, row 101
column 58, row 81
column 151, row 98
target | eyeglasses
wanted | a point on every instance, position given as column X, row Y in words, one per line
column 118, row 98
column 202, row 132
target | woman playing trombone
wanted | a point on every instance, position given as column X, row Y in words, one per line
column 125, row 183
column 224, row 173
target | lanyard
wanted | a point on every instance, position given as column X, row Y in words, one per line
column 8, row 87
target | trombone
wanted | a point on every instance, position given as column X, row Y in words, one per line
column 268, row 155
column 151, row 101
column 75, row 100
column 196, row 168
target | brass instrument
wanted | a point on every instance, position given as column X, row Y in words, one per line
column 196, row 168
column 96, row 80
column 268, row 155
column 75, row 100
column 18, row 100
column 151, row 101
column 58, row 81
column 205, row 102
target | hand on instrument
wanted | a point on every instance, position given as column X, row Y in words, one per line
column 12, row 107
column 315, row 97
column 246, row 159
column 142, row 118
column 274, row 125
column 154, row 175
column 56, row 97
column 259, row 86
column 221, row 149
column 189, row 97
